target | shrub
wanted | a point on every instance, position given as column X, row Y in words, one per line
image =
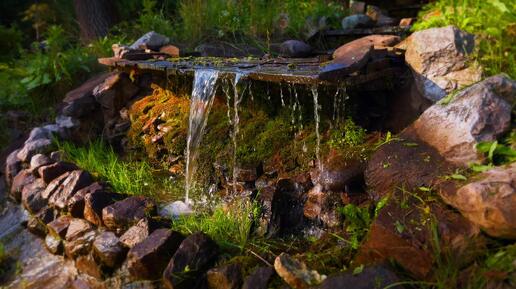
column 494, row 23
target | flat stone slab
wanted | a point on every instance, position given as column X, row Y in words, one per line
column 290, row 70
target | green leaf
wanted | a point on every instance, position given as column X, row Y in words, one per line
column 499, row 5
column 492, row 149
column 480, row 168
column 458, row 177
column 425, row 189
column 399, row 227
column 358, row 269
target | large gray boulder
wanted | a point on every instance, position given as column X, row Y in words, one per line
column 439, row 59
column 489, row 201
column 151, row 40
column 481, row 112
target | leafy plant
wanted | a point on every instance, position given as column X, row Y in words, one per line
column 347, row 134
column 493, row 22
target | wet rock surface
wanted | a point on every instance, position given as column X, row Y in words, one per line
column 50, row 172
column 108, row 249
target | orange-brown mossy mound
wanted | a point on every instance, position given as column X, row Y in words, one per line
column 159, row 122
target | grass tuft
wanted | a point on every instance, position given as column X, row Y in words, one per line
column 229, row 226
column 129, row 176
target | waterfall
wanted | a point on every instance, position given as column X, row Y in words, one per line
column 200, row 104
column 237, row 98
column 317, row 120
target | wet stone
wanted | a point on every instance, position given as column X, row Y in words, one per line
column 259, row 278
column 123, row 214
column 148, row 259
column 37, row 224
column 197, row 252
column 295, row 49
column 50, row 172
column 108, row 249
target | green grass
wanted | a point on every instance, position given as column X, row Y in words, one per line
column 252, row 19
column 493, row 22
column 125, row 176
column 229, row 226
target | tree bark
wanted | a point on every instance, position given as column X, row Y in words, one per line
column 95, row 17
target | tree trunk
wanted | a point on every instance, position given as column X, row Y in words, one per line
column 95, row 17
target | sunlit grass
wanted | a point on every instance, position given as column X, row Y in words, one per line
column 125, row 176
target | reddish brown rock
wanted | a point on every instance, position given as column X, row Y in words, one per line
column 403, row 232
column 37, row 224
column 407, row 22
column 356, row 57
column 79, row 237
column 50, row 172
column 31, row 196
column 75, row 205
column 13, row 166
column 87, row 265
column 488, row 201
column 139, row 232
column 440, row 61
column 95, row 201
column 38, row 161
column 22, row 179
column 148, row 259
column 74, row 182
column 197, row 252
column 338, row 172
column 225, row 277
column 108, row 249
column 123, row 214
column 322, row 205
column 80, row 101
column 404, row 163
column 54, row 186
column 114, row 93
column 259, row 278
column 59, row 226
column 479, row 113
column 367, row 41
column 54, row 244
column 170, row 50
column 295, row 273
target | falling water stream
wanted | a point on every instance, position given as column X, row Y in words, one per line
column 317, row 120
column 237, row 98
column 200, row 105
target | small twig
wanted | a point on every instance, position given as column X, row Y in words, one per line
column 260, row 257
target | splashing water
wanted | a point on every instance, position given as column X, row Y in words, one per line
column 317, row 119
column 200, row 105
